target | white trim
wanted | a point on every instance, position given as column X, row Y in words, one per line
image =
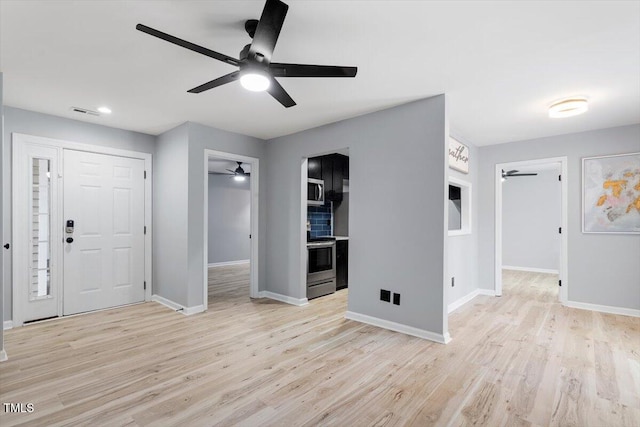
column 487, row 292
column 7, row 324
column 462, row 301
column 398, row 327
column 254, row 218
column 466, row 218
column 166, row 302
column 18, row 139
column 225, row 263
column 563, row 272
column 3, row 356
column 187, row 311
column 302, row 240
column 283, row 298
column 531, row 269
column 603, row 308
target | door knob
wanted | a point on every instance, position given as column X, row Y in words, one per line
column 7, row 246
column 69, row 239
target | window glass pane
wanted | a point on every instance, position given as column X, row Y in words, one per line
column 40, row 285
column 455, row 208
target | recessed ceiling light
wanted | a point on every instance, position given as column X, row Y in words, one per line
column 568, row 107
column 104, row 110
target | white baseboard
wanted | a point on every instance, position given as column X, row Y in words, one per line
column 604, row 308
column 488, row 292
column 187, row 311
column 398, row 327
column 3, row 356
column 462, row 301
column 531, row 269
column 222, row 264
column 7, row 324
column 283, row 298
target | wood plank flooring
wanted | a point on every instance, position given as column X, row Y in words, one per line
column 518, row 360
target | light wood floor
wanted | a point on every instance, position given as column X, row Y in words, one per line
column 518, row 360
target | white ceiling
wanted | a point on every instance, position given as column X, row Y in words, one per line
column 501, row 63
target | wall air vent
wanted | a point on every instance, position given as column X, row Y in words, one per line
column 85, row 111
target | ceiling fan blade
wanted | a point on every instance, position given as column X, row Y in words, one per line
column 280, row 94
column 524, row 174
column 233, row 172
column 188, row 45
column 511, row 171
column 303, row 70
column 228, row 78
column 267, row 31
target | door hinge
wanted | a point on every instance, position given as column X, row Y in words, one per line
column 249, row 235
column 145, row 174
column 559, row 282
column 559, row 177
column 145, row 229
column 145, row 285
column 560, row 230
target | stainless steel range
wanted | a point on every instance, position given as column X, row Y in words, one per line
column 321, row 267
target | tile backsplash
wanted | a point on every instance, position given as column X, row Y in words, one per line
column 320, row 219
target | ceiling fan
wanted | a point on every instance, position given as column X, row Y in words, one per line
column 514, row 172
column 237, row 174
column 256, row 71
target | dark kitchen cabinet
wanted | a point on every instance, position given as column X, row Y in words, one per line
column 342, row 264
column 331, row 169
column 315, row 167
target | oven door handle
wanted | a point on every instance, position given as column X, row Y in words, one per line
column 321, row 245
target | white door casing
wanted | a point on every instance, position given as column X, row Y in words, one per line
column 104, row 264
column 24, row 149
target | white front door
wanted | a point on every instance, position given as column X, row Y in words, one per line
column 104, row 252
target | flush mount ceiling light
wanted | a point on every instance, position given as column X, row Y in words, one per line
column 104, row 110
column 254, row 81
column 568, row 107
column 239, row 178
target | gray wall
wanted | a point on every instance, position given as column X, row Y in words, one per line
column 341, row 217
column 229, row 219
column 463, row 250
column 531, row 215
column 3, row 283
column 31, row 123
column 201, row 138
column 408, row 258
column 602, row 269
column 170, row 214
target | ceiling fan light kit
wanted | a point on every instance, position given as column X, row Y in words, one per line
column 256, row 71
column 255, row 81
column 568, row 107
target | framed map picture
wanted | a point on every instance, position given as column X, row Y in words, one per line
column 458, row 156
column 611, row 194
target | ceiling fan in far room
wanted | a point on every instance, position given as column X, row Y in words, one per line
column 256, row 71
column 238, row 174
column 514, row 172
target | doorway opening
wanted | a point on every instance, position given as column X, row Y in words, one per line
column 325, row 194
column 230, row 227
column 531, row 226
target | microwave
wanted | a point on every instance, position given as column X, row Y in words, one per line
column 315, row 192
